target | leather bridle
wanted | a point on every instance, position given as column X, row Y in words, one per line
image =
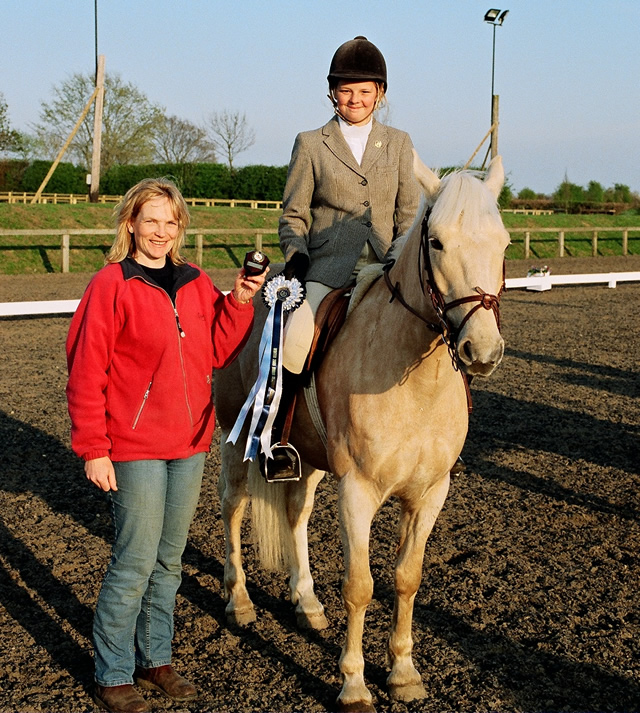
column 444, row 327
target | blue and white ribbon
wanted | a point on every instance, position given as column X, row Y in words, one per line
column 281, row 296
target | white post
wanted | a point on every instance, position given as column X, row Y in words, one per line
column 64, row 262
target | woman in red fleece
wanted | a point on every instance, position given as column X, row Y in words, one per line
column 141, row 348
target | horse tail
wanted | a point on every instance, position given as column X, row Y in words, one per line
column 269, row 523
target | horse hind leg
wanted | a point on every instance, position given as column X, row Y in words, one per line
column 280, row 515
column 234, row 496
column 404, row 681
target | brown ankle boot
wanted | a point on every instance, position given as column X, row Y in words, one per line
column 167, row 681
column 120, row 699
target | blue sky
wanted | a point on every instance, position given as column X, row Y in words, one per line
column 566, row 72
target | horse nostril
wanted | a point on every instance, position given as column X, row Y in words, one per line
column 466, row 350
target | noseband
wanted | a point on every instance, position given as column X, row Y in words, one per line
column 444, row 327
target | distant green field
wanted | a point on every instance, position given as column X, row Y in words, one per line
column 40, row 254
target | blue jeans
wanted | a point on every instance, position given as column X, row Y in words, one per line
column 152, row 511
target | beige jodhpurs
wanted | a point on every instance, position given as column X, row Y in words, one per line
column 298, row 330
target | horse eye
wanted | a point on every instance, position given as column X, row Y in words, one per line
column 435, row 243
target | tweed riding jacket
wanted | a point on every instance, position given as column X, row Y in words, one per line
column 332, row 206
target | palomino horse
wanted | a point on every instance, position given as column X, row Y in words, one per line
column 395, row 407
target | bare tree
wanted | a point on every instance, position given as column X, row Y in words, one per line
column 179, row 141
column 230, row 134
column 130, row 121
column 10, row 139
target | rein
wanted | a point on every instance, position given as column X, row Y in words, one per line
column 444, row 327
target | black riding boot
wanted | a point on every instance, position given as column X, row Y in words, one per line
column 290, row 384
column 285, row 462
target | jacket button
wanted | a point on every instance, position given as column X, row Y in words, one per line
column 366, row 203
column 368, row 224
column 364, row 182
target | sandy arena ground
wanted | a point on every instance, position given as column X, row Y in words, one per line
column 529, row 600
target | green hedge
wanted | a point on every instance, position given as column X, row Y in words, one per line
column 195, row 180
column 11, row 175
column 67, row 178
column 199, row 180
column 260, row 182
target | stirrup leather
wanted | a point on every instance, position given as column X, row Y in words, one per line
column 285, row 464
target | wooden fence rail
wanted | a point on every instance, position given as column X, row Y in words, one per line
column 561, row 233
column 65, row 234
column 74, row 198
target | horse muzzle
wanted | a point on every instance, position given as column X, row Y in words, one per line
column 479, row 356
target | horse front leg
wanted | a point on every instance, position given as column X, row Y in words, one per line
column 234, row 496
column 300, row 499
column 416, row 523
column 356, row 507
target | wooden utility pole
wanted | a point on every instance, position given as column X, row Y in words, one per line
column 97, row 132
column 493, row 143
column 54, row 165
column 495, row 121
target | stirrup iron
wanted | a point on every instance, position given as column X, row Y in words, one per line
column 284, row 466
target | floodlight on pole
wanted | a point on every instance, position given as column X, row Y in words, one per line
column 495, row 18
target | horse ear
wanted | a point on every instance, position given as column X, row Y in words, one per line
column 494, row 179
column 426, row 177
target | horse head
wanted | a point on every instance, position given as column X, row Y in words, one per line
column 463, row 242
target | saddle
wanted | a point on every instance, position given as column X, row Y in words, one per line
column 330, row 317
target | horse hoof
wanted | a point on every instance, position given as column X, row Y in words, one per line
column 311, row 621
column 355, row 707
column 407, row 693
column 241, row 618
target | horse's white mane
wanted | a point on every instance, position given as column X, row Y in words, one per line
column 462, row 198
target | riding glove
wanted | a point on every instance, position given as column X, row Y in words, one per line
column 296, row 266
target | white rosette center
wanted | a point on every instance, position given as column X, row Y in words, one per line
column 290, row 293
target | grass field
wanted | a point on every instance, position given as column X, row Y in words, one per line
column 40, row 254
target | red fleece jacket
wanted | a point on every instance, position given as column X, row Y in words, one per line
column 139, row 372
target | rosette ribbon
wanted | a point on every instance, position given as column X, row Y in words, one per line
column 281, row 296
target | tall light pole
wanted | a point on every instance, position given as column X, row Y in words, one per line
column 495, row 18
column 95, row 33
column 94, row 181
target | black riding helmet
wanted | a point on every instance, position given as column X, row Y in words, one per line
column 358, row 60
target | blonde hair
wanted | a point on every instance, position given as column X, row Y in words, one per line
column 127, row 211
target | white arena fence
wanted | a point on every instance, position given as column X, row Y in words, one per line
column 538, row 283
